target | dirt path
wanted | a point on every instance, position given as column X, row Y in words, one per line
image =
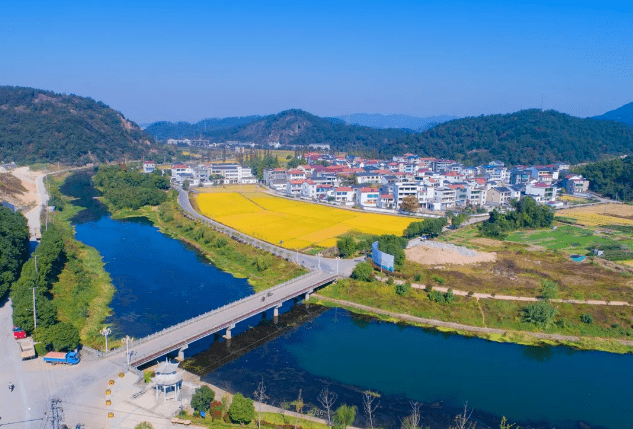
column 478, row 295
column 452, row 325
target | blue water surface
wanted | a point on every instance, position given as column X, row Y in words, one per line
column 556, row 386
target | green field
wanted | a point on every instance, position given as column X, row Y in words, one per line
column 571, row 239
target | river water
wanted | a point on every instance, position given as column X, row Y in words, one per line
column 160, row 281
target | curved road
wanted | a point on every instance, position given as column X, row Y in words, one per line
column 345, row 266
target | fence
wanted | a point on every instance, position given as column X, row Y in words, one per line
column 200, row 317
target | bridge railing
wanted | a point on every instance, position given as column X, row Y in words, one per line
column 140, row 359
column 204, row 315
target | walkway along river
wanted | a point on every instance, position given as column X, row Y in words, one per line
column 160, row 282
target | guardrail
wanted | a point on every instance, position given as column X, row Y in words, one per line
column 205, row 315
column 142, row 359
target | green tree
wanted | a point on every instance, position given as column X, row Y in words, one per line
column 14, row 245
column 65, row 336
column 363, row 272
column 202, row 398
column 242, row 409
column 346, row 246
column 540, row 313
column 344, row 416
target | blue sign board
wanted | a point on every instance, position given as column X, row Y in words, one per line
column 382, row 259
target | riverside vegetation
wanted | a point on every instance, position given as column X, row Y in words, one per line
column 72, row 288
column 262, row 269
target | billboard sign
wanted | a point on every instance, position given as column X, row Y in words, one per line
column 382, row 259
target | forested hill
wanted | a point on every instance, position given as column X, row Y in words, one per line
column 612, row 178
column 178, row 130
column 525, row 137
column 622, row 114
column 298, row 127
column 42, row 126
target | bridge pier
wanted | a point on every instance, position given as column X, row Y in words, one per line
column 181, row 353
column 307, row 296
column 227, row 336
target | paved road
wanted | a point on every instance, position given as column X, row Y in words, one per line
column 345, row 266
column 81, row 387
column 216, row 321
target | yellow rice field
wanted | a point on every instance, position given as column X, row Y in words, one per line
column 603, row 214
column 291, row 224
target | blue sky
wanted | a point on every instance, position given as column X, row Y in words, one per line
column 191, row 60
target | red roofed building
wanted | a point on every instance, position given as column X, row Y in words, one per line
column 344, row 194
column 367, row 197
column 294, row 187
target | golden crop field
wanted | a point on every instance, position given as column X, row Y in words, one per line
column 603, row 214
column 291, row 224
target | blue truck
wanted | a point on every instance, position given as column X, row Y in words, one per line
column 70, row 358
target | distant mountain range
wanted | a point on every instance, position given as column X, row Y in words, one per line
column 525, row 137
column 376, row 120
column 42, row 126
column 622, row 114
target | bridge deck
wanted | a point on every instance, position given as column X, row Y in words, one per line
column 149, row 348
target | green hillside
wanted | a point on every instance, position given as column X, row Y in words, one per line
column 525, row 137
column 177, row 130
column 612, row 178
column 42, row 126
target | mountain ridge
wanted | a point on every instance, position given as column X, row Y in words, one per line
column 623, row 114
column 43, row 126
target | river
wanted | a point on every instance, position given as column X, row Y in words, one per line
column 161, row 281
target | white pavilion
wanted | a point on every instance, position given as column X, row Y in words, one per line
column 167, row 380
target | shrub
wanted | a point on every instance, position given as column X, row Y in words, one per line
column 144, row 425
column 148, row 375
column 471, row 293
column 403, row 288
column 221, row 242
column 40, row 349
column 540, row 313
column 586, row 318
column 438, row 279
column 449, row 297
column 549, row 289
column 429, row 288
column 390, row 280
column 363, row 272
column 417, row 277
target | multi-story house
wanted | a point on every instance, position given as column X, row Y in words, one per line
column 367, row 197
column 293, row 187
column 499, row 195
column 149, row 166
column 232, row 173
column 368, row 177
column 575, row 184
column 344, row 194
column 445, row 198
column 541, row 192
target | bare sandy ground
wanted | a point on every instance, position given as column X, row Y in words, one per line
column 28, row 178
column 432, row 256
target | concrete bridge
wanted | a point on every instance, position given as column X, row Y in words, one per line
column 219, row 321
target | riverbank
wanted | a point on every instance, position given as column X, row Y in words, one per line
column 489, row 319
column 84, row 288
column 262, row 269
